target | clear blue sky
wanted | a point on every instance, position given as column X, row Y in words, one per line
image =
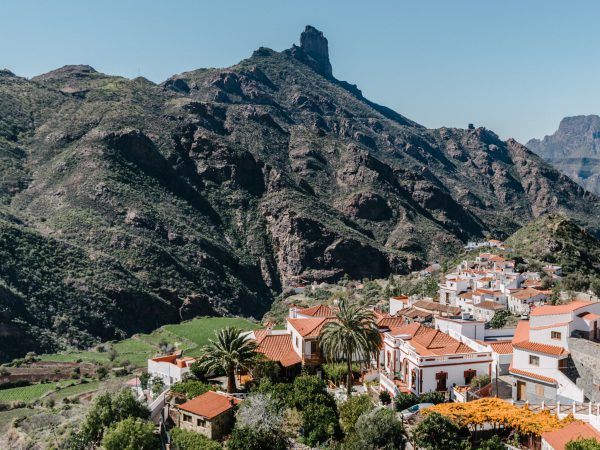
column 514, row 66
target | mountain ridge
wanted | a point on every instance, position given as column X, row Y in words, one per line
column 211, row 191
column 574, row 149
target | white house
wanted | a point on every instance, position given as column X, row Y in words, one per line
column 452, row 286
column 541, row 351
column 475, row 335
column 170, row 368
column 520, row 301
column 420, row 359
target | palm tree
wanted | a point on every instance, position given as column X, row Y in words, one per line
column 352, row 336
column 230, row 351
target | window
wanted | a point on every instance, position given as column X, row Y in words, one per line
column 539, row 390
column 201, row 422
column 534, row 360
column 469, row 375
column 297, row 342
column 187, row 418
column 555, row 335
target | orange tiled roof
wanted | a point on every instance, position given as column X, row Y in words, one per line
column 427, row 341
column 549, row 310
column 489, row 305
column 390, row 322
column 590, row 316
column 309, row 327
column 501, row 347
column 552, row 325
column 317, row 311
column 210, row 404
column 521, row 332
column 542, row 348
column 278, row 347
column 524, row 294
column 533, row 375
column 558, row 439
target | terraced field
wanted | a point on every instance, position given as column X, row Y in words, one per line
column 189, row 336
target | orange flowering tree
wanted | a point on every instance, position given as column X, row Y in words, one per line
column 500, row 414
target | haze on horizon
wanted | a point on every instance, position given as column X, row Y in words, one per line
column 514, row 67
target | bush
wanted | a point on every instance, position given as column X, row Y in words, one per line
column 437, row 432
column 191, row 388
column 260, row 412
column 432, row 397
column 281, row 393
column 188, row 440
column 494, row 443
column 480, row 381
column 385, row 397
column 352, row 409
column 583, row 444
column 308, row 389
column 499, row 319
column 131, row 434
column 403, row 401
column 380, row 429
column 338, row 372
column 319, row 422
column 107, row 410
column 245, row 438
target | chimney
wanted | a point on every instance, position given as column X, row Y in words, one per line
column 292, row 311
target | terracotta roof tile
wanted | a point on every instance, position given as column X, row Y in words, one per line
column 489, row 305
column 558, row 439
column 549, row 310
column 210, row 404
column 533, row 375
column 309, row 327
column 501, row 347
column 427, row 341
column 590, row 316
column 521, row 332
column 541, row 348
column 524, row 294
column 278, row 347
column 317, row 311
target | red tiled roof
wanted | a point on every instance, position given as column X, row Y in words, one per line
column 501, row 347
column 541, row 348
column 278, row 347
column 210, row 404
column 533, row 375
column 390, row 322
column 590, row 316
column 549, row 310
column 521, row 332
column 489, row 305
column 558, row 439
column 524, row 294
column 309, row 327
column 552, row 325
column 317, row 311
column 427, row 341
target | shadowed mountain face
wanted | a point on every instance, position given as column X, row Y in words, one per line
column 574, row 149
column 126, row 204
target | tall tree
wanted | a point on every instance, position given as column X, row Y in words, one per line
column 352, row 336
column 230, row 351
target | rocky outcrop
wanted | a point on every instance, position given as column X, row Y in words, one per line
column 574, row 149
column 313, row 50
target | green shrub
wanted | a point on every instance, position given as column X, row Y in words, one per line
column 191, row 388
column 188, row 440
column 432, row 397
column 245, row 438
column 131, row 434
column 380, row 429
column 385, row 397
column 403, row 401
column 320, row 423
column 352, row 409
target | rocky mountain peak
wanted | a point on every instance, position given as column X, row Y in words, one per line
column 313, row 50
column 68, row 72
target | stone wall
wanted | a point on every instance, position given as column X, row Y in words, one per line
column 585, row 356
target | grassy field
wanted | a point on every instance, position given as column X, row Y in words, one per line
column 26, row 393
column 189, row 336
column 199, row 331
column 6, row 417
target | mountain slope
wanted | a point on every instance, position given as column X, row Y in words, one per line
column 557, row 239
column 574, row 149
column 208, row 193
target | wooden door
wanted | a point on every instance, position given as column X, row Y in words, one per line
column 521, row 390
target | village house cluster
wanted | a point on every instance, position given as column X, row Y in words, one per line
column 429, row 344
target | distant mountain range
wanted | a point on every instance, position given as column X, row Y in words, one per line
column 574, row 149
column 126, row 204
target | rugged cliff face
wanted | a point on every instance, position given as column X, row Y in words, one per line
column 574, row 149
column 127, row 204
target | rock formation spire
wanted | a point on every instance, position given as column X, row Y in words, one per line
column 313, row 50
